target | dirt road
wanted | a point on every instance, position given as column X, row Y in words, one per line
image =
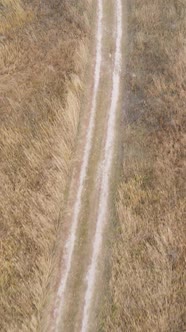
column 76, row 292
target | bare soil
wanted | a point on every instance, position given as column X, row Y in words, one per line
column 76, row 289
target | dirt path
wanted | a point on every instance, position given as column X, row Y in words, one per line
column 75, row 295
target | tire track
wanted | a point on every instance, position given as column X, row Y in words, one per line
column 106, row 171
column 69, row 247
column 73, row 307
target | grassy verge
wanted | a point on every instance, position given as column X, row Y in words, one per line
column 43, row 51
column 146, row 289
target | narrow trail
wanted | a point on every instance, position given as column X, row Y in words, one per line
column 75, row 295
column 106, row 170
column 69, row 247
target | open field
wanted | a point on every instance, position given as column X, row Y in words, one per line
column 43, row 53
column 146, row 288
column 55, row 172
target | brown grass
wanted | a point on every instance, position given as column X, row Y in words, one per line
column 43, row 51
column 147, row 279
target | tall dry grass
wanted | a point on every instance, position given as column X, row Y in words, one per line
column 43, row 52
column 147, row 282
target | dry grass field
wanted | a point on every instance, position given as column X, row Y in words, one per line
column 43, row 52
column 148, row 272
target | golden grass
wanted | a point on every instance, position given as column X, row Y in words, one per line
column 43, row 52
column 146, row 288
column 12, row 15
